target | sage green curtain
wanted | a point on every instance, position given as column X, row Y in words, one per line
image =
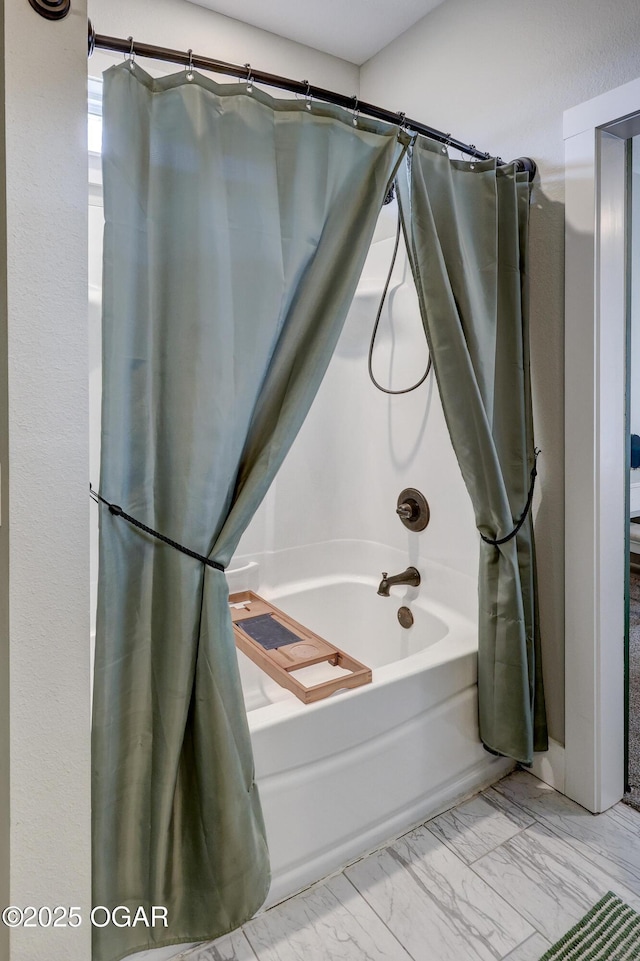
column 236, row 230
column 466, row 226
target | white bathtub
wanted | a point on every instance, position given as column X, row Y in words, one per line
column 341, row 776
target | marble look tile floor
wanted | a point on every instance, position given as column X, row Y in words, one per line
column 500, row 877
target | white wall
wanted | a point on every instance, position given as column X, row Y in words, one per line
column 500, row 75
column 44, row 587
column 180, row 25
column 5, row 663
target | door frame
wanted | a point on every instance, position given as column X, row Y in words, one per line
column 596, row 514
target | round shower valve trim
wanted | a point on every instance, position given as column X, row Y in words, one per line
column 413, row 509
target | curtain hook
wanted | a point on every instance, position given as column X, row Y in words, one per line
column 472, row 165
column 249, row 77
column 307, row 96
column 401, row 119
column 190, row 65
column 356, row 111
column 132, row 55
column 447, row 142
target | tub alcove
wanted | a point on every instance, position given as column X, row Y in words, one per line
column 341, row 776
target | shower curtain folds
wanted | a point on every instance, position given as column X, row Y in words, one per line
column 466, row 226
column 236, row 228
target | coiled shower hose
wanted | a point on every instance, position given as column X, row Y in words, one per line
column 386, row 390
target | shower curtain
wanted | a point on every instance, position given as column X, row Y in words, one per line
column 236, row 227
column 466, row 226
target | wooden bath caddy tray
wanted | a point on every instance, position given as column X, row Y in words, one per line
column 282, row 648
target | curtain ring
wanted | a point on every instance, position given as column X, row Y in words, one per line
column 249, row 77
column 307, row 96
column 190, row 65
column 132, row 56
column 356, row 111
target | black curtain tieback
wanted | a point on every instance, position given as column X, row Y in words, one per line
column 503, row 540
column 118, row 512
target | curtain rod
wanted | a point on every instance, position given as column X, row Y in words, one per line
column 132, row 48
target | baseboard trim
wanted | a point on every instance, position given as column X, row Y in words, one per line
column 549, row 766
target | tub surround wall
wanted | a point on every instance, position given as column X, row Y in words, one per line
column 543, row 59
column 359, row 448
